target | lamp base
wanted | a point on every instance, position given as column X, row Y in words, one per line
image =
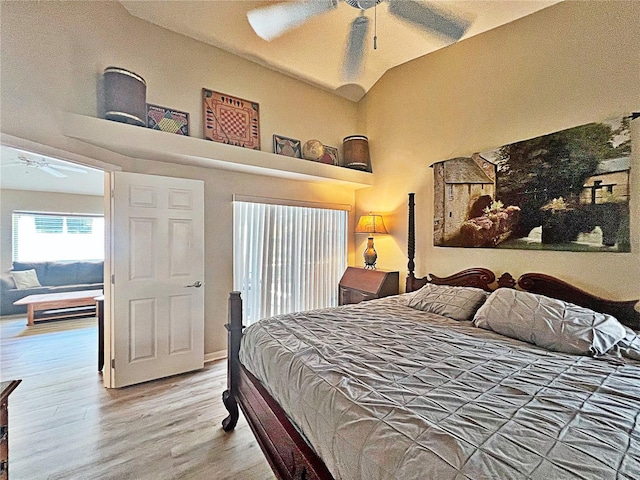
column 370, row 255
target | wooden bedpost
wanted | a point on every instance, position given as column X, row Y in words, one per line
column 411, row 245
column 234, row 328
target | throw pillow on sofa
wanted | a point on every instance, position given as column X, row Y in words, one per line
column 39, row 267
column 25, row 279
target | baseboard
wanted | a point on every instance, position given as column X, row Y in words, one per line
column 213, row 356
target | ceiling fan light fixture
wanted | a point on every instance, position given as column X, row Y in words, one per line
column 363, row 4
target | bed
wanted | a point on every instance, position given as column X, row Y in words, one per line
column 412, row 387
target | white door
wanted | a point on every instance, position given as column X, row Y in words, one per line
column 154, row 302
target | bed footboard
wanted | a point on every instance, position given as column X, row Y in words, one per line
column 288, row 453
column 234, row 336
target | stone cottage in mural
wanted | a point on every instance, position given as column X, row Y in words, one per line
column 609, row 183
column 463, row 187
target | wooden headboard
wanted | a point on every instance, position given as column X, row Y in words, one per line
column 538, row 283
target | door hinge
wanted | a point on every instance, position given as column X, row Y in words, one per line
column 113, row 363
column 112, row 193
column 113, row 279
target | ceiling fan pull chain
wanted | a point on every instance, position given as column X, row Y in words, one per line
column 375, row 26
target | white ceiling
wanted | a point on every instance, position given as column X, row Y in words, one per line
column 18, row 171
column 313, row 52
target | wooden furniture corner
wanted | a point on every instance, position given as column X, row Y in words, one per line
column 359, row 284
column 5, row 390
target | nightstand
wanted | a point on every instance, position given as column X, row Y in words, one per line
column 358, row 284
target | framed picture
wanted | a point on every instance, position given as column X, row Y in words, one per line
column 567, row 190
column 330, row 156
column 289, row 147
column 231, row 120
column 167, row 120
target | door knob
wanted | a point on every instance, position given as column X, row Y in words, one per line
column 196, row 284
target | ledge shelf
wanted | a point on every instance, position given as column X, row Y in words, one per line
column 145, row 143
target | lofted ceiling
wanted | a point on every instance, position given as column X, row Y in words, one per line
column 314, row 51
column 22, row 170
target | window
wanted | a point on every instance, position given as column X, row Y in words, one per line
column 287, row 258
column 48, row 224
column 55, row 236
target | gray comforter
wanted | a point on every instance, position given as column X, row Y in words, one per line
column 383, row 391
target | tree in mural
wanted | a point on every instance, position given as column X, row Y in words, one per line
column 533, row 172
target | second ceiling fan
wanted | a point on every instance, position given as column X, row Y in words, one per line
column 44, row 165
column 274, row 20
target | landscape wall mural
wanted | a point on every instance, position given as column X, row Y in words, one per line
column 567, row 190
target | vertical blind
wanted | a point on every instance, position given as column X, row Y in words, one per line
column 56, row 236
column 287, row 258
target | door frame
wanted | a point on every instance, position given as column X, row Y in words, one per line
column 106, row 168
column 46, row 150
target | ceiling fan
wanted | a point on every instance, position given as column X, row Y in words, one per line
column 44, row 165
column 274, row 20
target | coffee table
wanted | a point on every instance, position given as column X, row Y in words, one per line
column 60, row 305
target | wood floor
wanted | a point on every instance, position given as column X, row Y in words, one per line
column 65, row 425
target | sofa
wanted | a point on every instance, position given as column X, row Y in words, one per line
column 52, row 277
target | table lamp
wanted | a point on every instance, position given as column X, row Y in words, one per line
column 370, row 224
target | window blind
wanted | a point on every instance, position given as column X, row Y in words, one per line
column 287, row 258
column 57, row 237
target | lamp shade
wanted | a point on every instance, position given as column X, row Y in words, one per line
column 371, row 224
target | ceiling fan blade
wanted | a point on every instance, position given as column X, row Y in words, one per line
column 354, row 54
column 69, row 169
column 52, row 171
column 272, row 21
column 429, row 18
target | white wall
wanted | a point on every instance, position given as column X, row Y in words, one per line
column 567, row 65
column 52, row 58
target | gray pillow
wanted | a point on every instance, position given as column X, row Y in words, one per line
column 25, row 279
column 549, row 323
column 458, row 303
